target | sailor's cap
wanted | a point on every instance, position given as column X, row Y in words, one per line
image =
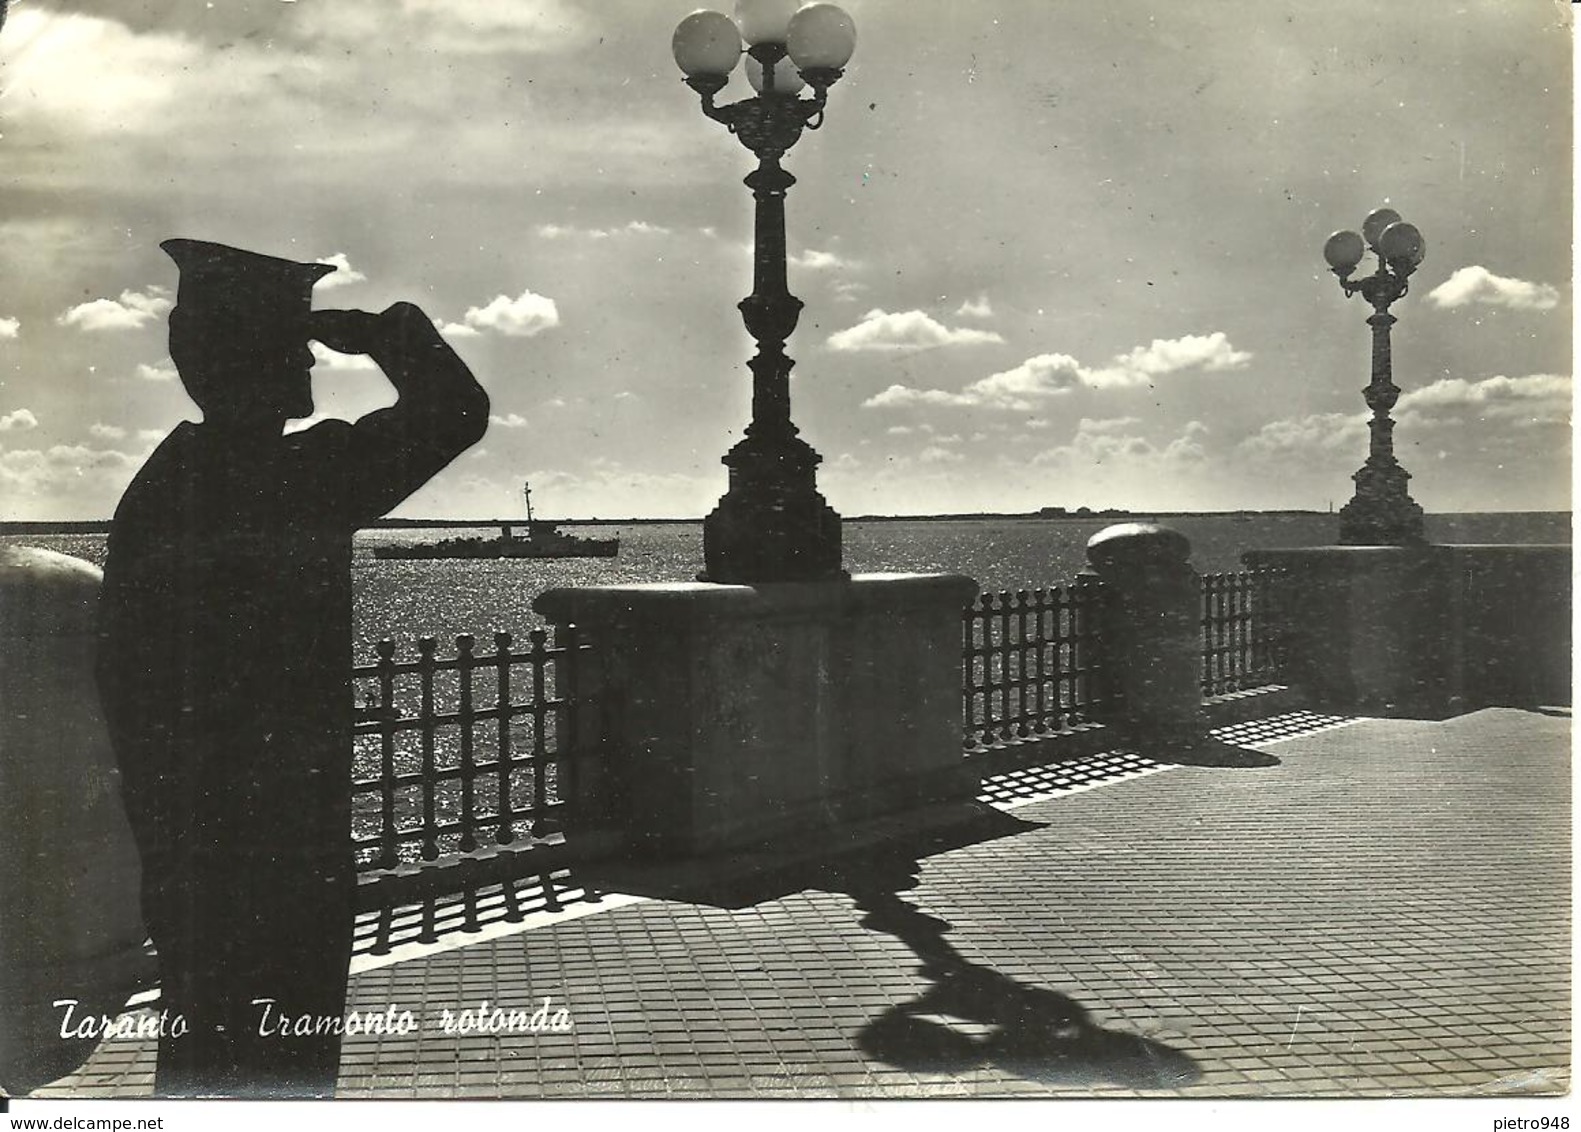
column 214, row 276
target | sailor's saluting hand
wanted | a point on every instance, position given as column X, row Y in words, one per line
column 348, row 331
column 402, row 341
column 358, row 332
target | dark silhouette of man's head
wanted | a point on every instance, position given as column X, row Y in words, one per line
column 239, row 332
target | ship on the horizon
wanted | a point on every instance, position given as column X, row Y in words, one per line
column 543, row 540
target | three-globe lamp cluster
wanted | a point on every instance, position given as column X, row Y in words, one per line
column 787, row 45
column 1398, row 245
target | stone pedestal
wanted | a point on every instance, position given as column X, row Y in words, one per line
column 739, row 715
column 1365, row 628
column 1151, row 634
column 70, row 919
column 1424, row 631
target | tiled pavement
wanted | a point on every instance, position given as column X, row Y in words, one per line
column 1384, row 910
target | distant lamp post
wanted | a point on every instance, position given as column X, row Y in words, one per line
column 771, row 525
column 1382, row 512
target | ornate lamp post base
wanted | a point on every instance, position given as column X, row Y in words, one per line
column 772, row 525
column 1382, row 512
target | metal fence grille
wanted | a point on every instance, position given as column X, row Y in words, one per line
column 1238, row 625
column 1031, row 664
column 459, row 752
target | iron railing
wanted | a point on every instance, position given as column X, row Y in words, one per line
column 1034, row 658
column 1031, row 664
column 1238, row 631
column 467, row 751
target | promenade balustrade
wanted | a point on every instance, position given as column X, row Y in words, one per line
column 468, row 762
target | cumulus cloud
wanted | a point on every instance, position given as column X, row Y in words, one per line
column 1039, row 379
column 975, row 308
column 905, row 330
column 814, row 260
column 509, row 420
column 936, row 454
column 94, row 74
column 1489, row 407
column 1481, row 427
column 160, row 371
column 447, row 26
column 1108, row 443
column 1107, row 424
column 522, row 317
column 1476, row 284
column 1033, row 382
column 1029, row 384
column 1210, row 353
column 1542, row 398
column 10, row 327
column 168, row 82
column 344, row 276
column 1294, row 437
column 572, row 231
column 18, row 420
column 34, row 479
column 107, row 432
column 132, row 310
column 902, row 396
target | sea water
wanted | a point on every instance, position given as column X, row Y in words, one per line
column 404, row 599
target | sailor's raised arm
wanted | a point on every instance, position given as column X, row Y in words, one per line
column 441, row 409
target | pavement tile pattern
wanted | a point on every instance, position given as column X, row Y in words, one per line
column 1381, row 910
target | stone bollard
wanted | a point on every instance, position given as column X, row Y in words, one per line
column 69, row 870
column 1151, row 633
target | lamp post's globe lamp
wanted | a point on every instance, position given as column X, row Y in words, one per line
column 771, row 525
column 706, row 43
column 764, row 21
column 1382, row 512
column 787, row 79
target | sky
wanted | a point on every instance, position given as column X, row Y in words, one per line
column 1053, row 253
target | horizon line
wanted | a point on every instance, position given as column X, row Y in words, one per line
column 27, row 526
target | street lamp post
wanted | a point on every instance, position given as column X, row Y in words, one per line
column 1382, row 512
column 771, row 525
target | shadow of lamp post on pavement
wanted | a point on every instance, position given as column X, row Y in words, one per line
column 972, row 1016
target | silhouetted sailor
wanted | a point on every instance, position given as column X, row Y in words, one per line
column 225, row 654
